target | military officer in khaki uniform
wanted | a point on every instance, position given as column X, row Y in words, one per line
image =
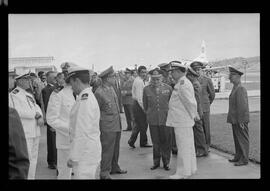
column 208, row 96
column 167, row 79
column 127, row 101
column 156, row 98
column 199, row 136
column 110, row 125
column 238, row 116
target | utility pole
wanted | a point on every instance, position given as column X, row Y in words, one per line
column 245, row 64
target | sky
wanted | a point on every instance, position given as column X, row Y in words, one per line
column 123, row 40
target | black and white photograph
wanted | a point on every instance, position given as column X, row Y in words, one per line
column 134, row 96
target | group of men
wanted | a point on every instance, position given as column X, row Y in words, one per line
column 81, row 111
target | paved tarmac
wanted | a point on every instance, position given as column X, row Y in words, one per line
column 139, row 160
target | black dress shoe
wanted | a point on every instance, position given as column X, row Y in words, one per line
column 119, row 172
column 105, row 177
column 127, row 130
column 174, row 152
column 131, row 145
column 166, row 167
column 52, row 166
column 154, row 167
column 201, row 154
column 233, row 160
column 240, row 163
column 146, row 145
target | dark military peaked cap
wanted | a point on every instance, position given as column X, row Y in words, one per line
column 196, row 64
column 176, row 65
column 164, row 66
column 191, row 71
column 155, row 73
column 235, row 71
column 106, row 72
column 75, row 70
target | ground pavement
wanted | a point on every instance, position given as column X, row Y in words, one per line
column 139, row 160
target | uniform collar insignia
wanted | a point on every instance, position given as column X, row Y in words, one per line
column 182, row 82
column 15, row 91
column 84, row 96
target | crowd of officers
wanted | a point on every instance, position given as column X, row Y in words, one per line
column 81, row 111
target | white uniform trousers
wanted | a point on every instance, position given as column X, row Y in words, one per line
column 64, row 172
column 84, row 170
column 186, row 151
column 32, row 147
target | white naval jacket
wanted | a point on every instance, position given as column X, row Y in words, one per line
column 58, row 112
column 182, row 105
column 84, row 128
column 27, row 108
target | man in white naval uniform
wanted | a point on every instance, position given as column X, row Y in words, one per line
column 31, row 117
column 181, row 115
column 85, row 151
column 58, row 112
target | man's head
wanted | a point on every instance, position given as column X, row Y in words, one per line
column 156, row 77
column 142, row 72
column 128, row 73
column 24, row 81
column 108, row 76
column 60, row 78
column 165, row 68
column 177, row 70
column 234, row 75
column 79, row 79
column 11, row 80
column 51, row 77
column 197, row 67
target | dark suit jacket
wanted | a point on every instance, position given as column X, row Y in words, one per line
column 18, row 161
column 110, row 120
column 208, row 92
column 238, row 105
column 46, row 93
column 198, row 96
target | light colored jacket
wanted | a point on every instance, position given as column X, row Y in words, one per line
column 84, row 128
column 58, row 111
column 182, row 105
column 137, row 90
column 27, row 108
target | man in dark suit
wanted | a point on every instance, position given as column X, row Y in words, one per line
column 18, row 160
column 110, row 125
column 51, row 136
column 208, row 96
column 238, row 116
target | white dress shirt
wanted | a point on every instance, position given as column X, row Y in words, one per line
column 137, row 90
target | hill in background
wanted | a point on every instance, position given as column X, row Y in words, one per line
column 253, row 63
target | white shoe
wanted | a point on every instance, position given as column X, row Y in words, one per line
column 176, row 176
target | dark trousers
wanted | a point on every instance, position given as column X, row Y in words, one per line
column 162, row 138
column 199, row 138
column 174, row 146
column 51, row 146
column 129, row 116
column 206, row 128
column 140, row 125
column 110, row 143
column 241, row 142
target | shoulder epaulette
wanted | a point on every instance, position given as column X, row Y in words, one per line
column 15, row 91
column 84, row 96
column 58, row 89
column 182, row 82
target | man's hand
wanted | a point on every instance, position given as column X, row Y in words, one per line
column 197, row 117
column 40, row 122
